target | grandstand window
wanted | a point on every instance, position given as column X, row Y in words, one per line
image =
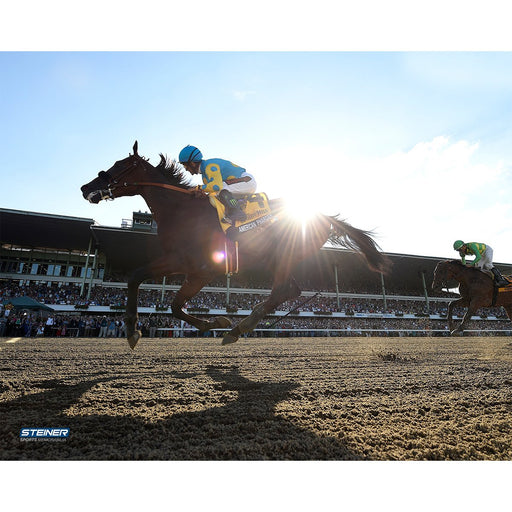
column 34, row 268
column 9, row 267
column 75, row 271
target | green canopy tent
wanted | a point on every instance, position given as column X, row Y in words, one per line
column 26, row 303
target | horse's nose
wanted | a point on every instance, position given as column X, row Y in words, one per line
column 85, row 191
column 93, row 197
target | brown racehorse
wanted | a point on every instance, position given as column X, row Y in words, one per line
column 476, row 288
column 189, row 232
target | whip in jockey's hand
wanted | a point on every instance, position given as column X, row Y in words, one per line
column 221, row 177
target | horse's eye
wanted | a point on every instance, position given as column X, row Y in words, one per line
column 103, row 175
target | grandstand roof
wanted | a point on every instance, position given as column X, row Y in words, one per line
column 44, row 230
column 126, row 249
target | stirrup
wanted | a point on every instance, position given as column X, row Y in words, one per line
column 227, row 220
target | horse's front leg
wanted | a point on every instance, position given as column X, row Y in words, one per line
column 472, row 307
column 156, row 269
column 191, row 287
column 451, row 305
column 133, row 335
column 280, row 293
column 465, row 319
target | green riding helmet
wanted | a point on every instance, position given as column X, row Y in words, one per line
column 458, row 244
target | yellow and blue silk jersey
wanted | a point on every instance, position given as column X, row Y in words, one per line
column 215, row 170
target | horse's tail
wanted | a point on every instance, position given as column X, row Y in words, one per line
column 344, row 235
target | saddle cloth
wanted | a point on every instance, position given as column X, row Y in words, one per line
column 255, row 207
column 491, row 275
column 501, row 290
column 507, row 287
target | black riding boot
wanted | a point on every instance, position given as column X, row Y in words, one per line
column 498, row 278
column 233, row 210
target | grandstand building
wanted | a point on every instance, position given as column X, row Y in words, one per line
column 78, row 267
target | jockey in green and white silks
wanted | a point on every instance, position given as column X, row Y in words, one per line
column 220, row 177
column 483, row 254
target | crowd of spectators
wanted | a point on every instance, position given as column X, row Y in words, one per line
column 69, row 294
column 361, row 313
column 26, row 324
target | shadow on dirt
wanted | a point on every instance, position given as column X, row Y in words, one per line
column 246, row 428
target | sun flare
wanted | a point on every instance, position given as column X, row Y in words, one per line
column 300, row 209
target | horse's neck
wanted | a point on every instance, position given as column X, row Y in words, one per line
column 466, row 275
column 162, row 202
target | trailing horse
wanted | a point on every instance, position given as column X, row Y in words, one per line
column 190, row 234
column 477, row 290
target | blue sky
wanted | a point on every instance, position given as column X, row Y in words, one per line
column 415, row 145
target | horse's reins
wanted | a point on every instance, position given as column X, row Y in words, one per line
column 115, row 183
column 160, row 185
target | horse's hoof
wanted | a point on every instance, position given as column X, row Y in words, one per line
column 228, row 339
column 134, row 339
column 222, row 322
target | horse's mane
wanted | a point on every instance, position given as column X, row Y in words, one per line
column 174, row 173
column 459, row 264
column 456, row 262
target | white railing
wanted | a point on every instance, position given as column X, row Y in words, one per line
column 306, row 333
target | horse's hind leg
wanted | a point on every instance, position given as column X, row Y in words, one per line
column 281, row 293
column 508, row 309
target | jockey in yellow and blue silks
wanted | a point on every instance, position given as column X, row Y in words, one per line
column 221, row 177
column 483, row 254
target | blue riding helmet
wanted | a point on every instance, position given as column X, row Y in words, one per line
column 190, row 154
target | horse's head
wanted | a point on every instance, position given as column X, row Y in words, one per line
column 444, row 272
column 126, row 178
column 120, row 180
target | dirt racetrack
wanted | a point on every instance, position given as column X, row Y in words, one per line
column 259, row 399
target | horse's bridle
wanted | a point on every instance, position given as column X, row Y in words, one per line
column 113, row 183
column 446, row 276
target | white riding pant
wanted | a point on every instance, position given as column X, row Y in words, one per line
column 486, row 260
column 242, row 188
